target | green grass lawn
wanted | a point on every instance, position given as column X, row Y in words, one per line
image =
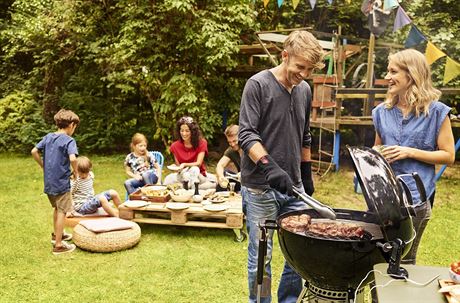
column 170, row 264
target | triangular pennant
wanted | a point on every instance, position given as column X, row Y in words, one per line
column 452, row 70
column 266, row 3
column 295, row 3
column 401, row 19
column 312, row 3
column 415, row 37
column 280, row 2
column 389, row 5
column 432, row 53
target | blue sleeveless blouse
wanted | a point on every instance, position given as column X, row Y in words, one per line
column 417, row 132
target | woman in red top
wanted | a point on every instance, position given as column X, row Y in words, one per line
column 189, row 152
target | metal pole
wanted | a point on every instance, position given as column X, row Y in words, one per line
column 370, row 74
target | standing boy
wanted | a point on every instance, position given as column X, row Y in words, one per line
column 59, row 151
column 275, row 137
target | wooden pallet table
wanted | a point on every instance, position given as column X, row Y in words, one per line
column 193, row 216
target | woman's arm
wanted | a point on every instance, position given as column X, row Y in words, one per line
column 444, row 155
column 198, row 162
column 378, row 140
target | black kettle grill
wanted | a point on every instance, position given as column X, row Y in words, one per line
column 334, row 268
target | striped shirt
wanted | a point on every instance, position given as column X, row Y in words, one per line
column 82, row 190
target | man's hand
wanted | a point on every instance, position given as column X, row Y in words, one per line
column 276, row 177
column 307, row 180
column 223, row 182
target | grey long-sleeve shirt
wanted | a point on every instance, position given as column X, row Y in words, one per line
column 279, row 120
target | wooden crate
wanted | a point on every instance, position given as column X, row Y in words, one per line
column 195, row 215
column 137, row 195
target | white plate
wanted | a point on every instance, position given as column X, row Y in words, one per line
column 218, row 200
column 206, row 202
column 177, row 206
column 173, row 167
column 215, row 207
column 135, row 203
column 225, row 194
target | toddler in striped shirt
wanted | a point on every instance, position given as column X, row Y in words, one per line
column 84, row 200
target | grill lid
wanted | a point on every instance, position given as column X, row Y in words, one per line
column 382, row 192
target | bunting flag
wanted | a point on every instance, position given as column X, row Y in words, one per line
column 295, row 3
column 280, row 2
column 265, row 3
column 415, row 37
column 401, row 19
column 389, row 5
column 452, row 70
column 432, row 53
column 312, row 3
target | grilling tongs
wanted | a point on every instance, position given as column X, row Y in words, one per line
column 323, row 210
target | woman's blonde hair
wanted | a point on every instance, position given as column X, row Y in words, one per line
column 420, row 92
column 304, row 44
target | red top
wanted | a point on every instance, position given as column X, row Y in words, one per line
column 187, row 155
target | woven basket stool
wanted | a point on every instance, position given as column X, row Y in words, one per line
column 106, row 241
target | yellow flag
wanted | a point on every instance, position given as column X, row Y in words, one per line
column 452, row 70
column 432, row 53
column 295, row 3
column 266, row 2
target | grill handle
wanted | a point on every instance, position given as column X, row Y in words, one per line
column 323, row 210
column 418, row 183
column 410, row 202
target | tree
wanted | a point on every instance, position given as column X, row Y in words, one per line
column 123, row 65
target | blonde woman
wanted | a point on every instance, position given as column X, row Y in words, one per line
column 415, row 130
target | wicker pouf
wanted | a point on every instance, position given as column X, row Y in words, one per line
column 106, row 241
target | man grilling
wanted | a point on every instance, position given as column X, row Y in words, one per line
column 275, row 137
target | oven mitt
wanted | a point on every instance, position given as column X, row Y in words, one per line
column 276, row 177
column 307, row 180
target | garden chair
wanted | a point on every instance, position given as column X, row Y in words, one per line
column 158, row 156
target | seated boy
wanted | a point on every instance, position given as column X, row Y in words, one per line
column 84, row 200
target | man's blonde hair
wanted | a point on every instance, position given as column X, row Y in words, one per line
column 231, row 130
column 304, row 44
column 420, row 92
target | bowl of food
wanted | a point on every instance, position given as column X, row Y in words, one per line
column 154, row 190
column 182, row 195
column 454, row 272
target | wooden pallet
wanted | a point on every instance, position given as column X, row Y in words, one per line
column 195, row 215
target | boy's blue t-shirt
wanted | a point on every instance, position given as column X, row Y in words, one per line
column 56, row 149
